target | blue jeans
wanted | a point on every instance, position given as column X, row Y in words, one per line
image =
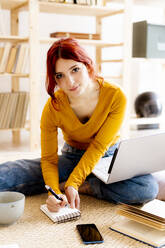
column 25, row 176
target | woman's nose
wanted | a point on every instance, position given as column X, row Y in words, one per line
column 70, row 81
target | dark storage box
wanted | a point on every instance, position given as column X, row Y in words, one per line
column 148, row 40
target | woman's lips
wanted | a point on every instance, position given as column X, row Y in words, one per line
column 75, row 88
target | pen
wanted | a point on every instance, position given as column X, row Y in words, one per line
column 53, row 193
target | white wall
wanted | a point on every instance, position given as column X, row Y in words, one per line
column 147, row 75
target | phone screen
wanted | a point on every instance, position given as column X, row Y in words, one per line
column 89, row 233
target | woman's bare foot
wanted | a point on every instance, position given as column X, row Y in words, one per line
column 85, row 188
column 62, row 185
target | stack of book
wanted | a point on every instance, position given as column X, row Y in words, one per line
column 151, row 213
column 144, row 223
column 79, row 2
column 13, row 109
column 76, row 35
column 14, row 58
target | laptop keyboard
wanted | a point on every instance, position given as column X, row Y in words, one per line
column 103, row 165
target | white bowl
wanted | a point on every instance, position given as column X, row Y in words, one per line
column 11, row 207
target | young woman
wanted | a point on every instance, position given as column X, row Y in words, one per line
column 90, row 112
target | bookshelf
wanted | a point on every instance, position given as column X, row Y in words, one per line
column 34, row 8
column 15, row 6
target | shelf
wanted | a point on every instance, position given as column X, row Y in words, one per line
column 153, row 120
column 149, row 60
column 137, row 133
column 19, row 75
column 13, row 38
column 149, row 3
column 26, row 127
column 100, row 43
column 80, row 10
column 112, row 61
column 14, row 129
column 62, row 8
column 12, row 4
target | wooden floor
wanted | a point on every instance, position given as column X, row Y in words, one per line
column 6, row 144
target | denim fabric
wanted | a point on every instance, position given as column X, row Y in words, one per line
column 25, row 176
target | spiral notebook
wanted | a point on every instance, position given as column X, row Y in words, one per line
column 63, row 215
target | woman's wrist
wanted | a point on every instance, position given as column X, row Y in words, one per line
column 70, row 185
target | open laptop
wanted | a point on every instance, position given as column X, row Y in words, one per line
column 133, row 157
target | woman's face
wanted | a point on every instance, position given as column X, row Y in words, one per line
column 72, row 77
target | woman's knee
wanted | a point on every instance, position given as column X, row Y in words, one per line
column 150, row 188
column 142, row 189
column 132, row 191
column 19, row 172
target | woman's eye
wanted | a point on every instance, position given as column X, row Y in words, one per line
column 76, row 69
column 58, row 76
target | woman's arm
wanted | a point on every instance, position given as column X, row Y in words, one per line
column 49, row 148
column 100, row 143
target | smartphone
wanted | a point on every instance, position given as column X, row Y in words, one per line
column 89, row 234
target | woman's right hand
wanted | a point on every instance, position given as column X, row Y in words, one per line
column 54, row 205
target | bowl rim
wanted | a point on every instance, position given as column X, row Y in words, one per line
column 12, row 192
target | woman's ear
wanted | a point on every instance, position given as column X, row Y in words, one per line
column 89, row 70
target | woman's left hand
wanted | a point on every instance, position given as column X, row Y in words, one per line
column 73, row 197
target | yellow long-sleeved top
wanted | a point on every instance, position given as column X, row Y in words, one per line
column 95, row 136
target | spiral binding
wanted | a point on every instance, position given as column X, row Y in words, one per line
column 68, row 217
column 64, row 216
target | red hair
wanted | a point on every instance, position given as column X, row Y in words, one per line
column 66, row 48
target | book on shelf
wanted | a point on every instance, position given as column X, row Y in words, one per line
column 1, row 53
column 16, row 58
column 22, row 109
column 82, row 2
column 13, row 109
column 24, row 112
column 19, row 110
column 11, row 59
column 5, row 109
column 78, row 2
column 20, row 58
column 9, row 110
column 151, row 214
column 25, row 64
column 76, row 35
column 5, row 56
column 2, row 98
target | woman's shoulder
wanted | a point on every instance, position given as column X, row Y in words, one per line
column 51, row 110
column 112, row 88
column 59, row 94
column 110, row 85
column 59, row 98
